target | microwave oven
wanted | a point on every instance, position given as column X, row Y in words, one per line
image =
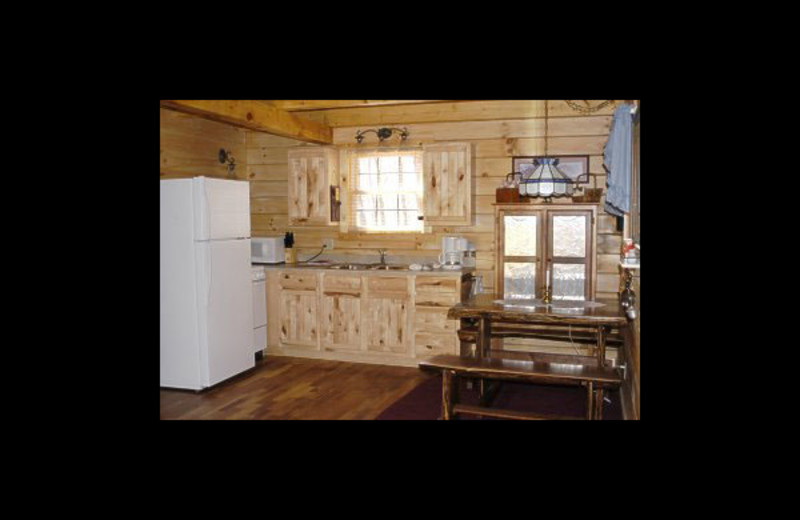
column 267, row 250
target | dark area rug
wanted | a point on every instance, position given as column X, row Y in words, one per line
column 425, row 401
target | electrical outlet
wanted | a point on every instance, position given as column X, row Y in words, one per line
column 327, row 243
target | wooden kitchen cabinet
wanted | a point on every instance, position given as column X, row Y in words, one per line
column 447, row 181
column 298, row 318
column 434, row 334
column 386, row 318
column 312, row 172
column 386, row 315
column 297, row 307
column 392, row 319
column 340, row 313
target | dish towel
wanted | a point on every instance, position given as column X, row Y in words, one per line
column 617, row 160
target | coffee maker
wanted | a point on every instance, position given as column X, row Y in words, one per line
column 453, row 248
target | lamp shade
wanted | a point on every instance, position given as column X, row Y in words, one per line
column 545, row 180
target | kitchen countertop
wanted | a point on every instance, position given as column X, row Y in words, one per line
column 366, row 270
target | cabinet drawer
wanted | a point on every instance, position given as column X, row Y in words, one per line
column 435, row 344
column 437, row 299
column 306, row 281
column 436, row 284
column 338, row 283
column 386, row 284
column 433, row 320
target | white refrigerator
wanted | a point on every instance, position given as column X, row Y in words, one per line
column 206, row 285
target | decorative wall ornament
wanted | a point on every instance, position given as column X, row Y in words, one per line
column 383, row 133
column 589, row 106
column 227, row 156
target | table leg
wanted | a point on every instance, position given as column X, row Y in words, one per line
column 602, row 332
column 484, row 341
column 589, row 401
column 483, row 344
column 449, row 393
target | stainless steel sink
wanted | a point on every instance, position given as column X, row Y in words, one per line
column 349, row 267
column 368, row 267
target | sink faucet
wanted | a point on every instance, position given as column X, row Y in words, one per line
column 383, row 256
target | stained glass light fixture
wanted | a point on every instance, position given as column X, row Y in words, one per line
column 543, row 178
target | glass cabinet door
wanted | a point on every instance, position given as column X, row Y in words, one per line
column 531, row 242
column 569, row 241
column 521, row 250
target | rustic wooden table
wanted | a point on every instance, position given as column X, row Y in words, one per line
column 489, row 319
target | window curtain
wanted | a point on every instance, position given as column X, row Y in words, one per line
column 618, row 161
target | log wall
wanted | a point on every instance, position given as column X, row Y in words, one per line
column 499, row 130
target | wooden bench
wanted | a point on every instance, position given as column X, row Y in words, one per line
column 538, row 369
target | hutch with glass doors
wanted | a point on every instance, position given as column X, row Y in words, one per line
column 541, row 245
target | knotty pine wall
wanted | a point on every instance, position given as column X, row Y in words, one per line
column 190, row 146
column 498, row 130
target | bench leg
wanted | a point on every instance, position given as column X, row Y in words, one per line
column 449, row 393
column 598, row 404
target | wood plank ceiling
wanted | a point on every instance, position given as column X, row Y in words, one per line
column 276, row 116
column 298, row 105
column 255, row 115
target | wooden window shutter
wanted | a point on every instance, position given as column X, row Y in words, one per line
column 447, row 184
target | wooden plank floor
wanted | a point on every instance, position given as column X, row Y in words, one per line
column 297, row 388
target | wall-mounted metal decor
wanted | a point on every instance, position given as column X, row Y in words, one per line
column 588, row 106
column 227, row 156
column 383, row 133
column 576, row 167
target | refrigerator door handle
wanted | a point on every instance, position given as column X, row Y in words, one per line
column 208, row 210
column 209, row 260
column 210, row 277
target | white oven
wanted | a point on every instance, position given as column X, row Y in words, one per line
column 259, row 308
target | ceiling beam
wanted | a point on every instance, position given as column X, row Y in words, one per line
column 325, row 104
column 255, row 115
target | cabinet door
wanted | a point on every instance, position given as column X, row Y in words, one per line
column 318, row 196
column 340, row 322
column 310, row 176
column 340, row 312
column 298, row 318
column 385, row 322
column 569, row 254
column 447, row 177
column 298, row 188
column 520, row 253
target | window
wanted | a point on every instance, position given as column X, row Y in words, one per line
column 533, row 241
column 387, row 191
